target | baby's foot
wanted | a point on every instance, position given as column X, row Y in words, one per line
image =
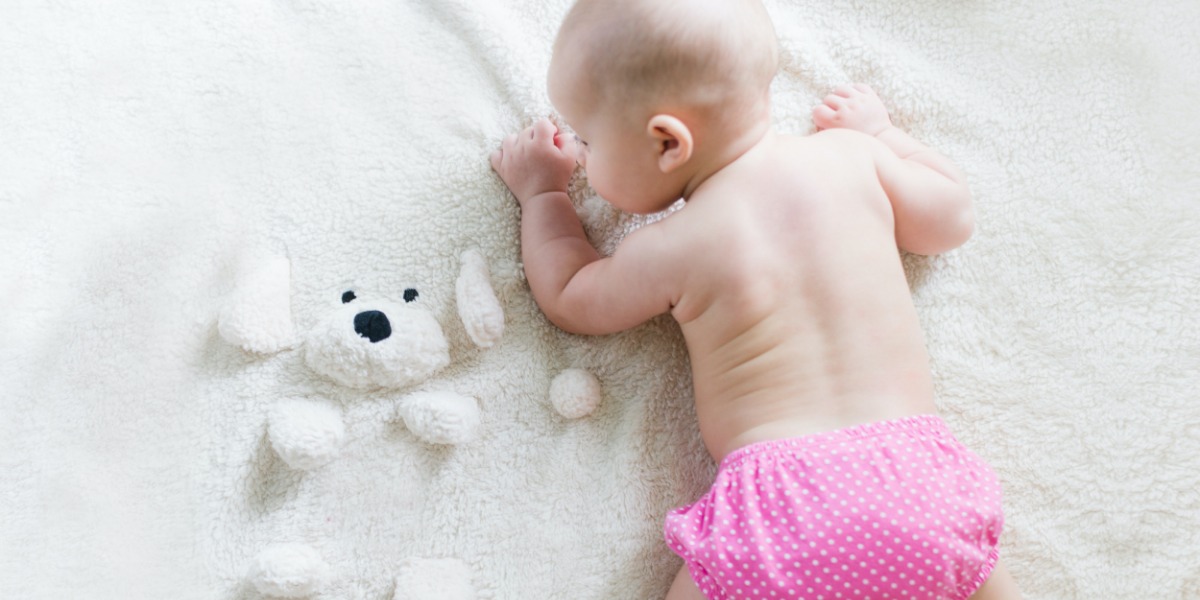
column 854, row 107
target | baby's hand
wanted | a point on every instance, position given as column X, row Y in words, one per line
column 535, row 161
column 854, row 107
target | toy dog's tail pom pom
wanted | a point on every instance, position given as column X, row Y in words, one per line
column 575, row 393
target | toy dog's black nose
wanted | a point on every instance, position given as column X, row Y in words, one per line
column 372, row 325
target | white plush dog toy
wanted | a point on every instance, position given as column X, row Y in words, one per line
column 364, row 345
column 371, row 344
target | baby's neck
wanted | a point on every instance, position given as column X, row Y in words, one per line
column 726, row 152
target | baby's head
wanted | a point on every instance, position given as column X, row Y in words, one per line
column 658, row 90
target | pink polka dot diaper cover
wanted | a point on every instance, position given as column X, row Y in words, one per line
column 896, row 509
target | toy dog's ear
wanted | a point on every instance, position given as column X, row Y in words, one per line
column 258, row 315
column 480, row 311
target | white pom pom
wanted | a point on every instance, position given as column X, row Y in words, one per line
column 575, row 393
column 258, row 316
column 306, row 434
column 441, row 417
column 480, row 311
column 288, row 571
column 434, row 579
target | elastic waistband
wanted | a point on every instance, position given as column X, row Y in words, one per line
column 920, row 425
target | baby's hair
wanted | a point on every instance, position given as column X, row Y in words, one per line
column 711, row 55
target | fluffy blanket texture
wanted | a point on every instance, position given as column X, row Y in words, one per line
column 149, row 150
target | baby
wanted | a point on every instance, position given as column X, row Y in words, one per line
column 812, row 384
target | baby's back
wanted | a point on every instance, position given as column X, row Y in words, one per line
column 797, row 315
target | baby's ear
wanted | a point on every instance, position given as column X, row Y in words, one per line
column 674, row 140
column 258, row 314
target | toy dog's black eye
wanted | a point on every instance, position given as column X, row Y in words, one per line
column 410, row 294
column 348, row 297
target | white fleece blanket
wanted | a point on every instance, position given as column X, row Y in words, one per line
column 148, row 148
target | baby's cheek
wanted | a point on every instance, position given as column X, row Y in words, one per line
column 599, row 176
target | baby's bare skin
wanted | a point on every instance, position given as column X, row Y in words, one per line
column 800, row 319
column 782, row 270
column 783, row 267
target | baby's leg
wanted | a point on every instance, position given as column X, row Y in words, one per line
column 999, row 586
column 684, row 588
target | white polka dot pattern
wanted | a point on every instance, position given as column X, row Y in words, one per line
column 896, row 509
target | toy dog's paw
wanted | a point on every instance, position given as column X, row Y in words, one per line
column 434, row 579
column 575, row 393
column 441, row 417
column 258, row 315
column 288, row 571
column 306, row 434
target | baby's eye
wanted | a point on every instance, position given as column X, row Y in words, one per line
column 581, row 142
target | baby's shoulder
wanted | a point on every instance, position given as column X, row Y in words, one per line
column 829, row 153
column 826, row 139
column 826, row 154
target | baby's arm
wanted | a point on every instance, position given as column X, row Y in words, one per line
column 575, row 287
column 929, row 194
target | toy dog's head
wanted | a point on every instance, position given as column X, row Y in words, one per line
column 369, row 343
column 363, row 343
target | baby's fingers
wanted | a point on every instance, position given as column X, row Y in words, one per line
column 509, row 143
column 845, row 91
column 835, row 101
column 824, row 117
column 544, row 130
column 496, row 158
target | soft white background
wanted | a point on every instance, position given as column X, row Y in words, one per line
column 146, row 146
